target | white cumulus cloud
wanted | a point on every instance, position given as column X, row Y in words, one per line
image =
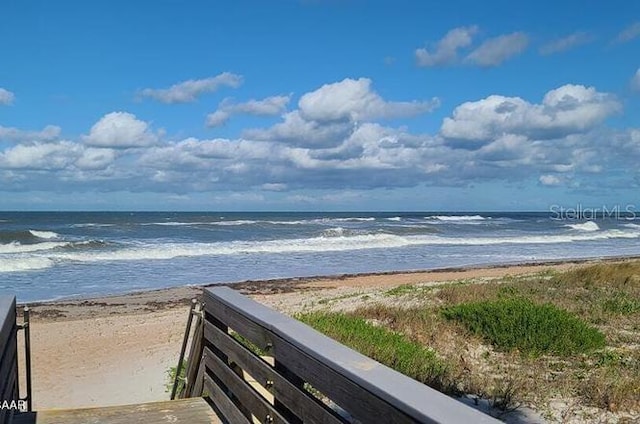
column 62, row 156
column 327, row 115
column 50, row 132
column 445, row 51
column 549, row 180
column 45, row 156
column 269, row 106
column 95, row 158
column 495, row 51
column 295, row 129
column 335, row 140
column 120, row 130
column 6, row 97
column 188, row 91
column 355, row 100
column 563, row 111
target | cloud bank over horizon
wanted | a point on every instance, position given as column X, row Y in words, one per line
column 338, row 137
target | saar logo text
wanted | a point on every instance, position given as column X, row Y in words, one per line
column 14, row 404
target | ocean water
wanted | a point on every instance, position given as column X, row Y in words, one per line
column 56, row 255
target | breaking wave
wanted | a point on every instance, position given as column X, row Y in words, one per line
column 324, row 243
column 585, row 226
column 44, row 234
column 456, row 218
column 15, row 247
column 38, row 249
column 24, row 264
column 27, row 236
column 239, row 222
column 19, row 248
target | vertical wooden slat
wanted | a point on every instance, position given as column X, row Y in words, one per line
column 195, row 356
column 297, row 382
column 183, row 349
column 198, row 385
column 223, row 403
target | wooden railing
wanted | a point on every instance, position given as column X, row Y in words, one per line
column 252, row 363
column 8, row 358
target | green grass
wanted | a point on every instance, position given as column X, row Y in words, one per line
column 621, row 303
column 621, row 275
column 401, row 290
column 171, row 376
column 519, row 324
column 390, row 348
column 248, row 344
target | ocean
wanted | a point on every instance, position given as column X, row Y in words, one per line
column 57, row 255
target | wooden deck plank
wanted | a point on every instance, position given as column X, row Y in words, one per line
column 183, row 411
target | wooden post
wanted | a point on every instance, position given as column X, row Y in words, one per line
column 183, row 349
column 27, row 353
column 195, row 356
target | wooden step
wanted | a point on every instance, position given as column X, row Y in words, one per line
column 183, row 411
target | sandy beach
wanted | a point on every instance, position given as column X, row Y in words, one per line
column 117, row 349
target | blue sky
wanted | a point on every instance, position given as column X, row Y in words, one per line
column 318, row 105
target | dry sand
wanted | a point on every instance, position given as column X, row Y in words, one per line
column 116, row 350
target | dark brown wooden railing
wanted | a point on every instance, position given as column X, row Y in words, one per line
column 253, row 364
column 8, row 358
column 256, row 363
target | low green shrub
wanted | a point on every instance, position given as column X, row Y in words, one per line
column 518, row 323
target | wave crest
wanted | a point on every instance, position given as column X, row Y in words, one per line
column 585, row 226
column 24, row 264
column 321, row 243
column 46, row 235
column 456, row 218
column 16, row 247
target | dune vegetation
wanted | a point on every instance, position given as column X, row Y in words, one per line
column 571, row 337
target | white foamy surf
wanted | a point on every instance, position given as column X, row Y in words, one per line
column 24, row 264
column 332, row 241
column 44, row 234
column 585, row 226
column 456, row 218
column 16, row 247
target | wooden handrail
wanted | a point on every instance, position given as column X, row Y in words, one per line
column 260, row 362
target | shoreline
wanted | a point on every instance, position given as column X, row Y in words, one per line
column 168, row 297
column 84, row 349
